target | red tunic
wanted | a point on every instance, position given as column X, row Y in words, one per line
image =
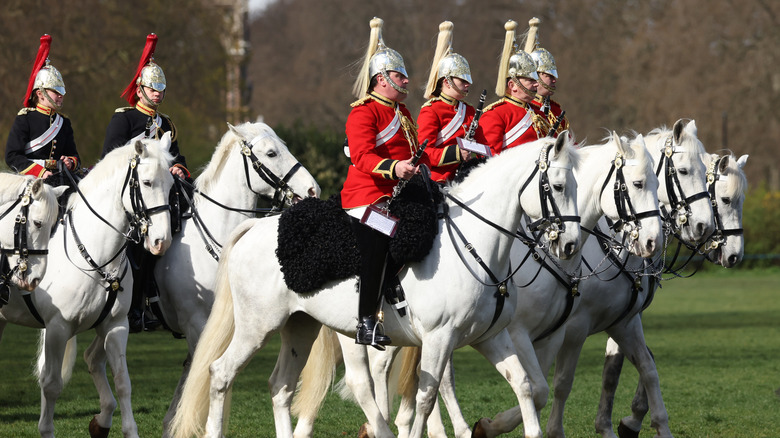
column 375, row 147
column 434, row 125
column 552, row 115
column 508, row 123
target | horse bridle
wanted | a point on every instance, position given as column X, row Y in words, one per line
column 718, row 238
column 20, row 248
column 679, row 205
column 283, row 193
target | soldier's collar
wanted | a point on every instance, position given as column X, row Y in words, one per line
column 383, row 100
column 517, row 102
column 44, row 109
column 145, row 109
column 448, row 99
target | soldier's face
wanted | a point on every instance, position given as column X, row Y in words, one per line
column 155, row 97
column 54, row 100
column 548, row 80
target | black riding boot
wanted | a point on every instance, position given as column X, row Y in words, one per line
column 373, row 255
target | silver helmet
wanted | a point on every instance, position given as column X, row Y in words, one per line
column 152, row 76
column 515, row 63
column 49, row 78
column 545, row 63
column 522, row 65
column 446, row 63
column 379, row 59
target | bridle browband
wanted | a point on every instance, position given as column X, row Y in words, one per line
column 20, row 248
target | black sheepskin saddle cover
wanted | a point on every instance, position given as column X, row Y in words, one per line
column 315, row 243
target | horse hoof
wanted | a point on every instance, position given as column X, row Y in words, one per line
column 96, row 430
column 478, row 431
column 626, row 432
column 365, row 431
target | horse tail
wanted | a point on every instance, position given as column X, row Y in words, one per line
column 407, row 382
column 316, row 376
column 192, row 410
column 68, row 360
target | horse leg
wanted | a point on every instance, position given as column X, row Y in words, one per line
column 95, row 357
column 631, row 339
column 447, row 390
column 565, row 365
column 613, row 364
column 358, row 379
column 501, row 352
column 176, row 396
column 381, row 363
column 50, row 376
column 298, row 335
column 116, row 352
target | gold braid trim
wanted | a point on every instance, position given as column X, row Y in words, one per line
column 493, row 105
column 541, row 125
column 359, row 102
column 410, row 131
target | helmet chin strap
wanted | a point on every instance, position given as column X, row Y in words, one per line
column 547, row 87
column 150, row 102
column 449, row 80
column 392, row 83
column 522, row 87
column 48, row 99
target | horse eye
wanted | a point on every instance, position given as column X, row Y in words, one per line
column 147, row 183
column 38, row 224
column 558, row 187
column 270, row 154
column 726, row 201
column 682, row 171
column 638, row 184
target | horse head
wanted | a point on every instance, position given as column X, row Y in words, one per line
column 633, row 202
column 26, row 244
column 276, row 174
column 682, row 177
column 554, row 205
column 148, row 202
column 726, row 184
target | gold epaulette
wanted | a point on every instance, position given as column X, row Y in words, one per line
column 174, row 131
column 494, row 104
column 123, row 109
column 24, row 111
column 430, row 102
column 360, row 101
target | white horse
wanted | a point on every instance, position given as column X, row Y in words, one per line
column 253, row 302
column 28, row 211
column 88, row 285
column 545, row 290
column 726, row 184
column 613, row 300
column 226, row 194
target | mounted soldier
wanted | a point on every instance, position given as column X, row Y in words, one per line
column 41, row 138
column 548, row 79
column 445, row 117
column 512, row 121
column 142, row 120
column 382, row 138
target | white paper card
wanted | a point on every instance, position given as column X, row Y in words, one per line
column 475, row 147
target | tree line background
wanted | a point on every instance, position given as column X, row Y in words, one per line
column 626, row 65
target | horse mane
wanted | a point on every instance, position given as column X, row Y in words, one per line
column 12, row 185
column 210, row 173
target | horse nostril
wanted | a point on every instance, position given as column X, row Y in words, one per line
column 569, row 248
column 650, row 246
column 732, row 260
column 312, row 192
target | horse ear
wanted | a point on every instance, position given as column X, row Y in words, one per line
column 741, row 161
column 37, row 188
column 233, row 129
column 139, row 147
column 165, row 141
column 677, row 131
column 59, row 190
column 640, row 139
column 561, row 141
column 723, row 164
column 619, row 142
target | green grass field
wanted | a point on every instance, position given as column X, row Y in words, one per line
column 716, row 338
